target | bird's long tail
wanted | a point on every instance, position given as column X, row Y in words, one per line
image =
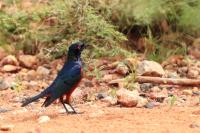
column 32, row 99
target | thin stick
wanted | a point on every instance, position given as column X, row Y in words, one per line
column 169, row 81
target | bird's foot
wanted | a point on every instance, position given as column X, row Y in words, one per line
column 72, row 113
column 75, row 112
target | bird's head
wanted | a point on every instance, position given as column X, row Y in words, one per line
column 75, row 49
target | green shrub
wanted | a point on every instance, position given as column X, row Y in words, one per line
column 52, row 26
column 189, row 18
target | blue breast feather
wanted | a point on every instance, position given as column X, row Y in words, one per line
column 69, row 75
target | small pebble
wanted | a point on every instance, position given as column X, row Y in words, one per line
column 43, row 119
column 149, row 105
column 6, row 127
column 88, row 83
column 142, row 102
column 3, row 110
column 110, row 100
column 197, row 93
column 155, row 89
column 43, row 71
column 194, row 125
column 4, row 85
column 187, row 92
column 145, row 87
column 101, row 95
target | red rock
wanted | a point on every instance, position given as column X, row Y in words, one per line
column 159, row 95
column 193, row 72
column 149, row 68
column 127, row 98
column 27, row 60
column 10, row 68
column 6, row 127
column 9, row 60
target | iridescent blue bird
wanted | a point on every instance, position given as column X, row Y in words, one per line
column 66, row 81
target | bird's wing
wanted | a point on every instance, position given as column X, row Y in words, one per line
column 64, row 83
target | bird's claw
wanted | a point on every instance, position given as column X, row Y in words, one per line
column 74, row 113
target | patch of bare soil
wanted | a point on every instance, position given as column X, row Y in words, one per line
column 98, row 117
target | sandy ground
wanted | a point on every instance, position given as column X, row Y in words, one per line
column 97, row 117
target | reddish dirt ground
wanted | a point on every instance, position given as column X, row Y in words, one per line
column 97, row 117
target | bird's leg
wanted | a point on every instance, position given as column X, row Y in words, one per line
column 67, row 111
column 67, row 101
column 61, row 100
column 74, row 111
